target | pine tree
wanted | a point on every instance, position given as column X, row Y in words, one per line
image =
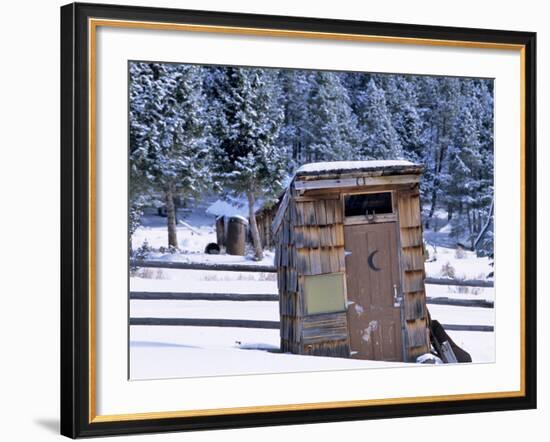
column 469, row 195
column 402, row 103
column 440, row 96
column 267, row 122
column 296, row 133
column 332, row 123
column 356, row 83
column 380, row 139
column 464, row 165
column 247, row 157
column 485, row 117
column 169, row 141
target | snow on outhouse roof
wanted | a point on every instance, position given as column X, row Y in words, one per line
column 376, row 167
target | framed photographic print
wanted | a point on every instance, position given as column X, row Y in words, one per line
column 275, row 220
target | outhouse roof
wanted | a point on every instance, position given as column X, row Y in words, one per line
column 374, row 167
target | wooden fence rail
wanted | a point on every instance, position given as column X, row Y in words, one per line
column 180, row 296
column 273, row 325
column 200, row 322
column 177, row 296
column 242, row 323
column 225, row 267
column 459, row 282
column 260, row 268
column 480, row 303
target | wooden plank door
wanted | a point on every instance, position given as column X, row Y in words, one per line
column 372, row 273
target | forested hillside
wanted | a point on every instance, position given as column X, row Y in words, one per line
column 243, row 131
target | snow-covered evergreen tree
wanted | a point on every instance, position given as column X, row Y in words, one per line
column 402, row 102
column 441, row 98
column 296, row 132
column 469, row 194
column 169, row 134
column 267, row 122
column 332, row 123
column 461, row 190
column 380, row 140
column 247, row 158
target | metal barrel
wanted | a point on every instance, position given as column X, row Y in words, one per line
column 236, row 235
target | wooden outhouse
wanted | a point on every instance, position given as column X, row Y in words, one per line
column 350, row 261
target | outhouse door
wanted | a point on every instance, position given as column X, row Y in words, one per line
column 372, row 277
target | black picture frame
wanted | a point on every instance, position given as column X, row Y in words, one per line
column 76, row 401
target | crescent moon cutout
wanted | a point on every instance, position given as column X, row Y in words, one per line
column 371, row 261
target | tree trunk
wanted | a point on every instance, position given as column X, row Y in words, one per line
column 171, row 218
column 470, row 228
column 433, row 203
column 258, row 251
column 486, row 225
column 438, row 167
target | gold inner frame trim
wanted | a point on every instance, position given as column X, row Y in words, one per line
column 93, row 24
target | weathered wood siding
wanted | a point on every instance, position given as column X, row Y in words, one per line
column 264, row 219
column 310, row 241
column 416, row 339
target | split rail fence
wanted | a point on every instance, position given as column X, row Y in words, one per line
column 247, row 323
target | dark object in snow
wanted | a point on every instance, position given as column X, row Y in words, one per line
column 161, row 211
column 446, row 348
column 236, row 235
column 220, row 230
column 212, row 249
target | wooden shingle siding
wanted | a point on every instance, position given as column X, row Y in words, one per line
column 411, row 237
column 337, row 349
column 314, row 236
column 310, row 241
column 289, row 305
column 415, row 307
column 409, row 209
column 417, row 333
column 317, row 212
column 326, row 327
column 264, row 222
column 331, row 207
column 412, row 259
column 320, row 213
column 412, row 267
column 286, row 281
column 336, row 257
column 413, row 281
column 317, row 261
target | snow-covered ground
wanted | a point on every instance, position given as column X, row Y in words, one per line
column 177, row 351
column 463, row 263
column 161, row 352
column 194, row 234
column 168, row 352
column 153, row 230
column 172, row 351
